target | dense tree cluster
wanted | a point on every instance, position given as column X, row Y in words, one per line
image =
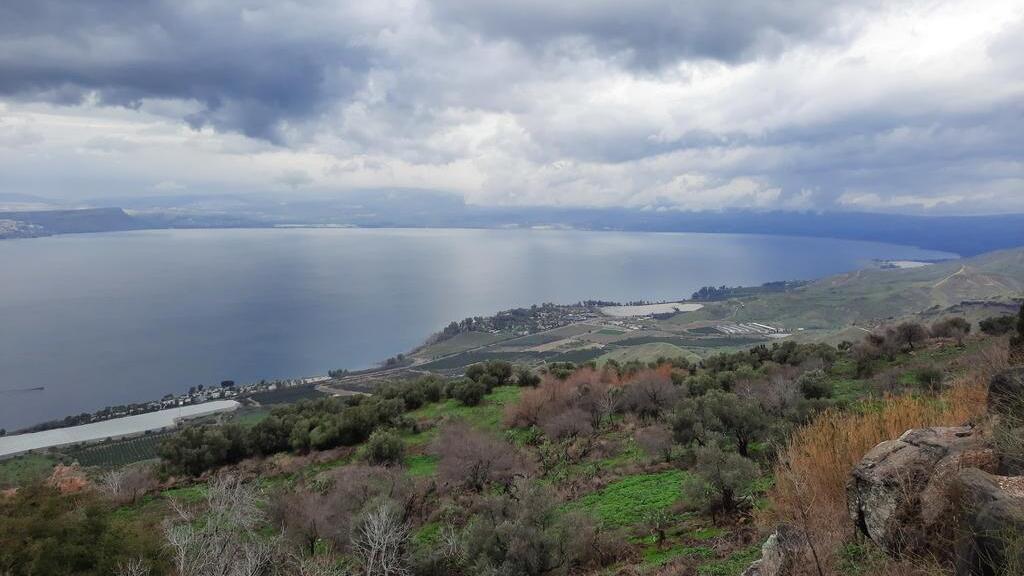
column 332, row 422
column 301, row 427
column 998, row 325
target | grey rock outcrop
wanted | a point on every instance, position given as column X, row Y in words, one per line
column 992, row 537
column 778, row 554
column 898, row 495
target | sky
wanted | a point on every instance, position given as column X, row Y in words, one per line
column 891, row 106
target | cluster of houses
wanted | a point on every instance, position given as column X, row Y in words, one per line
column 228, row 390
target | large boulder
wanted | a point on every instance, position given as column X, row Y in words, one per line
column 1006, row 392
column 899, row 496
column 992, row 535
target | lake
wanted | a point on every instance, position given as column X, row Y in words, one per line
column 102, row 319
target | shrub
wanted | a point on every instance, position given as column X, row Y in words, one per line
column 1017, row 342
column 384, row 448
column 998, row 325
column 198, row 448
column 815, row 385
column 956, row 328
column 327, row 510
column 469, row 392
column 719, row 479
column 929, row 377
column 558, row 404
column 567, row 424
column 656, row 441
column 526, row 378
column 739, row 419
column 522, row 533
column 909, row 334
column 491, row 374
column 473, row 460
column 649, row 395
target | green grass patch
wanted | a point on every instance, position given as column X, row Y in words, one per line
column 734, row 565
column 486, row 415
column 849, row 389
column 708, row 533
column 628, row 501
column 421, row 465
column 26, row 468
column 193, row 493
column 428, row 534
column 654, row 556
column 610, row 332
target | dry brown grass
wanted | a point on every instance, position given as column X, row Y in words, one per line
column 813, row 468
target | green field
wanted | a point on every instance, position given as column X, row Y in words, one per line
column 460, row 343
column 119, row 452
column 645, row 353
column 288, row 395
column 26, row 468
column 628, row 501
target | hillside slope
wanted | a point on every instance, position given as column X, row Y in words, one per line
column 866, row 297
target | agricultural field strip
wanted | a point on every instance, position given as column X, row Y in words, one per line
column 115, row 428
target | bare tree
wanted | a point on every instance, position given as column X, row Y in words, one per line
column 221, row 537
column 133, row 567
column 648, row 397
column 473, row 459
column 326, row 510
column 567, row 424
column 380, row 541
column 124, row 486
column 908, row 334
column 656, row 441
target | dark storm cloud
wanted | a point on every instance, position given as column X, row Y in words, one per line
column 252, row 67
column 652, row 33
column 247, row 75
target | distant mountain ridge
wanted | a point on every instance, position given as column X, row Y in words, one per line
column 31, row 224
column 963, row 235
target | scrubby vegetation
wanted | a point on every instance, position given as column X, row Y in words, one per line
column 634, row 468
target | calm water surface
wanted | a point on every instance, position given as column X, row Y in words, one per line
column 102, row 319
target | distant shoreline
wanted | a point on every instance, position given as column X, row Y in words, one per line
column 963, row 235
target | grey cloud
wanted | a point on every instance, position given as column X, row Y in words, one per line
column 245, row 77
column 652, row 33
column 514, row 89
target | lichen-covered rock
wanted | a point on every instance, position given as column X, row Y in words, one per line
column 778, row 554
column 992, row 538
column 898, row 495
